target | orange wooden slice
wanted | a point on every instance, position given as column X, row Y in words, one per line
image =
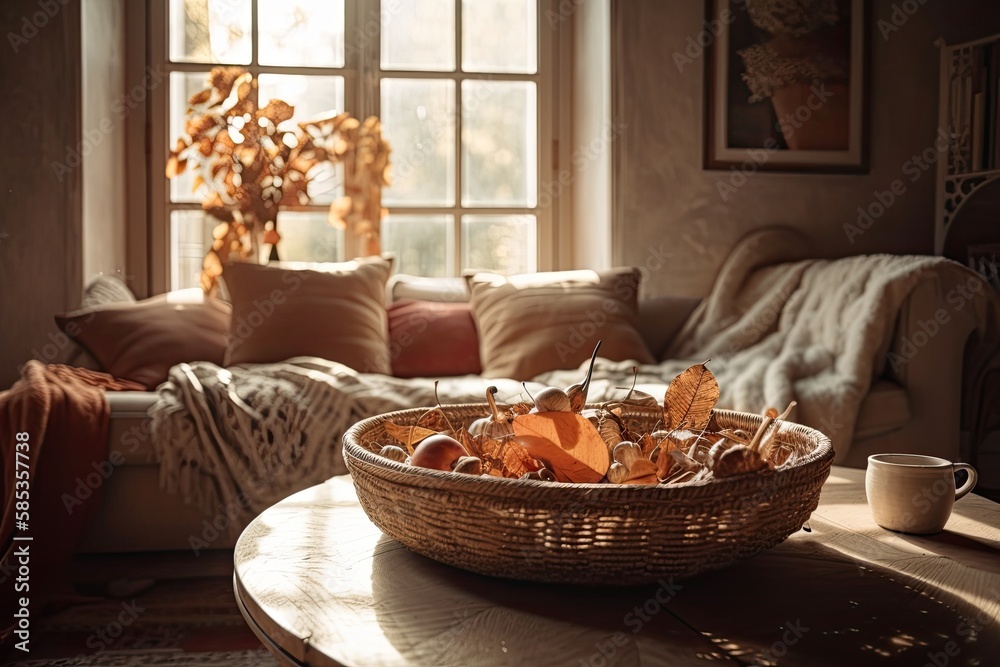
column 566, row 441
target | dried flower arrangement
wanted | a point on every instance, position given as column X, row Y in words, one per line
column 252, row 168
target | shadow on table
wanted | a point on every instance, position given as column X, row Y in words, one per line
column 973, row 552
column 784, row 607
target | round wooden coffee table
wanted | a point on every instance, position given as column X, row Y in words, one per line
column 321, row 585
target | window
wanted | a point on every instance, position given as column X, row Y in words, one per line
column 464, row 89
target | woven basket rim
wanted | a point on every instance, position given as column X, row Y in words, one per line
column 485, row 484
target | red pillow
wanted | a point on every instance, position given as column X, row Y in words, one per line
column 141, row 341
column 429, row 339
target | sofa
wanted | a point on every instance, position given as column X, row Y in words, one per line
column 920, row 406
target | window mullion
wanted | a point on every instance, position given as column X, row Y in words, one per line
column 254, row 40
column 457, row 218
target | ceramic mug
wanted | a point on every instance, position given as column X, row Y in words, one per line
column 913, row 493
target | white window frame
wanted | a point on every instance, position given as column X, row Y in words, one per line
column 149, row 243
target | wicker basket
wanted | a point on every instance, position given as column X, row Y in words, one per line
column 599, row 534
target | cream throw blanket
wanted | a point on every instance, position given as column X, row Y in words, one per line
column 813, row 331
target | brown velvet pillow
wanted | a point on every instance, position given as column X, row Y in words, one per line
column 337, row 314
column 428, row 339
column 140, row 341
column 534, row 323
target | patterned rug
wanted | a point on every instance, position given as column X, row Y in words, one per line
column 166, row 659
column 175, row 610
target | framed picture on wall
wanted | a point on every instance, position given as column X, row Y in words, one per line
column 786, row 85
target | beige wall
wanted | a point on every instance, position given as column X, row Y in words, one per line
column 593, row 136
column 62, row 204
column 104, row 112
column 664, row 197
column 40, row 203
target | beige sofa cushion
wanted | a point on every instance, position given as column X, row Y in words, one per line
column 337, row 314
column 142, row 341
column 534, row 323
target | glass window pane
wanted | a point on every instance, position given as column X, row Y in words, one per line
column 418, row 120
column 301, row 33
column 210, row 31
column 306, row 236
column 502, row 243
column 190, row 238
column 182, row 86
column 500, row 36
column 418, row 35
column 423, row 244
column 499, row 143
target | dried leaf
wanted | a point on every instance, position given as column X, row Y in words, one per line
column 672, row 460
column 408, row 436
column 501, row 457
column 435, row 420
column 277, row 111
column 648, row 444
column 771, row 412
column 201, row 97
column 630, row 466
column 519, row 409
column 695, row 445
column 568, row 442
column 640, row 399
column 175, row 166
column 690, row 398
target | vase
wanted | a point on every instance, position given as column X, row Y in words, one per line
column 273, row 255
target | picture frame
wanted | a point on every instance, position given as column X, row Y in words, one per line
column 787, row 91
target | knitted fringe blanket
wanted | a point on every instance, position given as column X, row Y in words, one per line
column 234, row 441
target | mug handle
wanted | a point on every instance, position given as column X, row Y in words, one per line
column 969, row 483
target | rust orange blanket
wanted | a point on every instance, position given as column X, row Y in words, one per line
column 53, row 427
